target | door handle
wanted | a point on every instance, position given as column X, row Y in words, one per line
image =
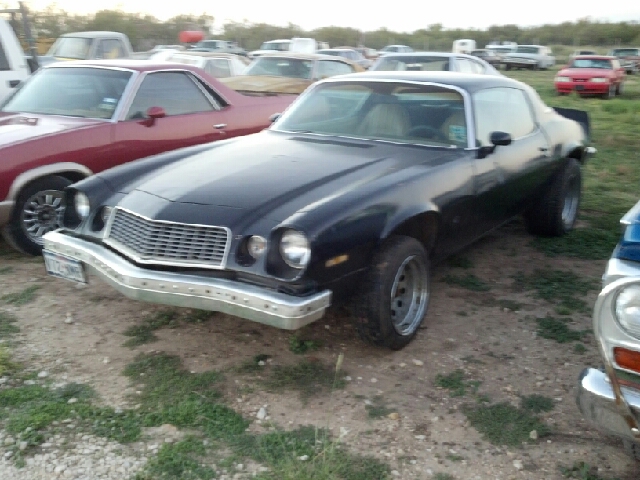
column 544, row 149
column 220, row 126
column 13, row 83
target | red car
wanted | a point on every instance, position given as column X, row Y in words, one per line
column 591, row 75
column 73, row 119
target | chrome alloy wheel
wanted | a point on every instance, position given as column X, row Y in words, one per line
column 42, row 213
column 571, row 201
column 409, row 295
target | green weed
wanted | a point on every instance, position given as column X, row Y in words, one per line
column 458, row 261
column 558, row 329
column 179, row 461
column 537, row 403
column 143, row 333
column 581, row 471
column 307, row 377
column 7, row 324
column 456, row 383
column 23, row 297
column 469, row 281
column 377, row 408
column 300, row 346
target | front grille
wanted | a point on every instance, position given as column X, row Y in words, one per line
column 167, row 243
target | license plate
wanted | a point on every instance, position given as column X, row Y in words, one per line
column 64, row 267
column 579, row 87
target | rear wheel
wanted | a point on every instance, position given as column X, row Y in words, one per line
column 38, row 210
column 556, row 212
column 395, row 297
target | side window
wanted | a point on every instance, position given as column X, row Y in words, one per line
column 4, row 61
column 176, row 92
column 502, row 110
column 110, row 48
column 476, row 66
column 218, row 67
column 464, row 65
column 329, row 68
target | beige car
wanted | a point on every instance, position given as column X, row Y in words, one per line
column 288, row 72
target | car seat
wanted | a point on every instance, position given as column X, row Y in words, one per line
column 454, row 127
column 385, row 120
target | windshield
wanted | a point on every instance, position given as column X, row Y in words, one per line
column 71, row 47
column 414, row 114
column 527, row 50
column 625, row 52
column 279, row 46
column 75, row 92
column 335, row 53
column 412, row 63
column 591, row 63
column 502, row 49
column 281, row 67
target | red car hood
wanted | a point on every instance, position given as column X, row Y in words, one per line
column 585, row 72
column 18, row 128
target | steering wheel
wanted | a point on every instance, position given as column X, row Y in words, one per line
column 425, row 131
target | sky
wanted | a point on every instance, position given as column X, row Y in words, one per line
column 403, row 17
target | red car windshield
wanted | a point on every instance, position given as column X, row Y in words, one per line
column 74, row 92
column 592, row 63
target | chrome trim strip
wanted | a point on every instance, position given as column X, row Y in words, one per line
column 133, row 256
column 467, row 101
column 192, row 291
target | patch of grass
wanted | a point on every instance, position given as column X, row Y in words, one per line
column 178, row 461
column 560, row 287
column 443, row 476
column 253, row 364
column 504, row 424
column 377, row 408
column 469, row 281
column 585, row 243
column 7, row 324
column 456, row 383
column 557, row 329
column 308, row 377
column 581, row 471
column 171, row 395
column 458, row 261
column 199, row 316
column 472, row 359
column 454, row 458
column 300, row 346
column 5, row 270
column 23, row 297
column 326, row 459
column 579, row 348
column 537, row 403
column 6, row 365
column 143, row 333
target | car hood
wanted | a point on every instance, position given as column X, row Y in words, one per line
column 263, row 83
column 269, row 175
column 585, row 72
column 18, row 128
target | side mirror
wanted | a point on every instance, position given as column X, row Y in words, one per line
column 153, row 113
column 274, row 117
column 500, row 138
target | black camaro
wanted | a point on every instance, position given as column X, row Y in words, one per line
column 354, row 192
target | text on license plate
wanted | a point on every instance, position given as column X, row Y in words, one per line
column 64, row 267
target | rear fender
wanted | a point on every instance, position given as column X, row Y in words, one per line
column 579, row 116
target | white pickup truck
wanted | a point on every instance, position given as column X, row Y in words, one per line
column 13, row 63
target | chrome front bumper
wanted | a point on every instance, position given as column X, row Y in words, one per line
column 192, row 291
column 597, row 403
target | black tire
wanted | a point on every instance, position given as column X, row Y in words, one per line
column 610, row 93
column 632, row 449
column 374, row 308
column 16, row 232
column 552, row 216
column 620, row 89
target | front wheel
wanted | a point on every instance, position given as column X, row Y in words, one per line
column 611, row 92
column 39, row 209
column 396, row 293
column 620, row 88
column 556, row 212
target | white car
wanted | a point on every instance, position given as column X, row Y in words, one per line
column 219, row 65
column 13, row 64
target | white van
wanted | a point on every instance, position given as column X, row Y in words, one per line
column 464, row 45
column 13, row 64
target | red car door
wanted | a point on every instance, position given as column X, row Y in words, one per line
column 191, row 117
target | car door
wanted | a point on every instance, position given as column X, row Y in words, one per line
column 507, row 177
column 193, row 116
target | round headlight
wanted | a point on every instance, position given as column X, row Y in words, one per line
column 256, row 246
column 627, row 307
column 83, row 207
column 295, row 250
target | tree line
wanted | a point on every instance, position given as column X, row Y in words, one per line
column 145, row 31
